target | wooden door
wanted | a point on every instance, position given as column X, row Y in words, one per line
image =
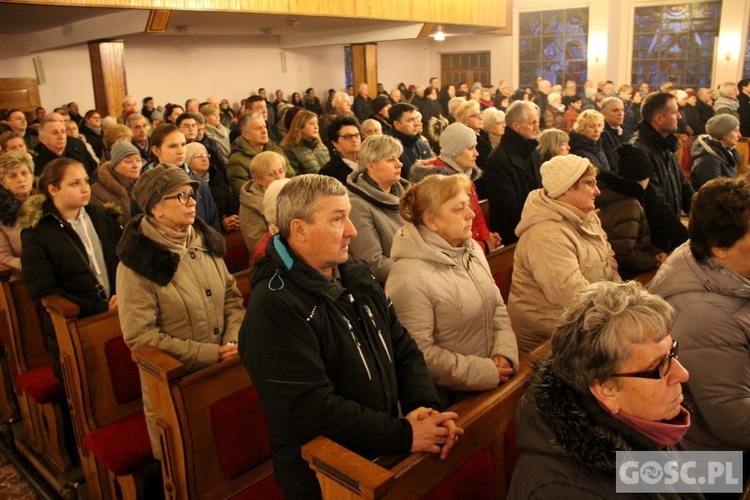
column 21, row 93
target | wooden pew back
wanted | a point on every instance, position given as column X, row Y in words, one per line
column 743, row 148
column 486, row 418
column 214, row 442
column 501, row 267
column 237, row 257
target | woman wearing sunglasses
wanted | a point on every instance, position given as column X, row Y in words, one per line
column 612, row 382
column 176, row 293
column 561, row 249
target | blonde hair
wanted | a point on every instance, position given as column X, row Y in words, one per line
column 294, row 136
column 454, row 103
column 427, row 196
column 116, row 132
column 550, row 142
column 264, row 162
column 466, row 110
column 209, row 109
column 269, row 203
column 586, row 117
column 726, row 89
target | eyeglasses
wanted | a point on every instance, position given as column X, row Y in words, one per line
column 476, row 115
column 200, row 155
column 184, row 196
column 348, row 137
column 660, row 371
column 590, row 183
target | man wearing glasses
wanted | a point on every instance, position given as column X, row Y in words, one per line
column 707, row 281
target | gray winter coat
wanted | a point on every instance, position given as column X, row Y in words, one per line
column 713, row 327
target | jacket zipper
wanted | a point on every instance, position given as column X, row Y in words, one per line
column 359, row 347
column 380, row 334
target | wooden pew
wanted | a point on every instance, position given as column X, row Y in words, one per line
column 237, row 257
column 743, row 148
column 40, row 438
column 9, row 412
column 104, row 395
column 213, row 436
column 479, row 466
column 501, row 267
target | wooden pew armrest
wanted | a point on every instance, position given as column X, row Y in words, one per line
column 158, row 363
column 61, row 306
column 342, row 465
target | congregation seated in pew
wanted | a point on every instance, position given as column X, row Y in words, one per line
column 176, row 291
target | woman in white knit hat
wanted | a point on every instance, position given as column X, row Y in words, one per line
column 562, row 248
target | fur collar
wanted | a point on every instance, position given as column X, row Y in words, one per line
column 9, row 207
column 153, row 260
column 37, row 207
column 581, row 428
column 108, row 180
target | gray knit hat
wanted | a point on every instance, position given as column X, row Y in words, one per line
column 157, row 115
column 720, row 125
column 455, row 139
column 151, row 186
column 561, row 172
column 121, row 149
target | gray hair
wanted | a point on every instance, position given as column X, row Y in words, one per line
column 133, row 117
column 339, row 97
column 127, row 99
column 519, row 112
column 377, row 147
column 550, row 142
column 367, row 123
column 246, row 118
column 298, row 199
column 609, row 100
column 269, row 203
column 597, row 330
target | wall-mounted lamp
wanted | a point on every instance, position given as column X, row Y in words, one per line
column 729, row 45
column 439, row 36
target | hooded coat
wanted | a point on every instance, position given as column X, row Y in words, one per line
column 443, row 166
column 114, row 189
column 376, row 217
column 567, row 445
column 252, row 221
column 624, row 220
column 560, row 251
column 711, row 160
column 447, row 299
column 181, row 299
column 713, row 327
column 330, row 358
column 52, row 260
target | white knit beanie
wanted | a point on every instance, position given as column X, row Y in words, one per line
column 191, row 149
column 561, row 172
column 455, row 139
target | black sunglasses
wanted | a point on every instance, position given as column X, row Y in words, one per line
column 660, row 371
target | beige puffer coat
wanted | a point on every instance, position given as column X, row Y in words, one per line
column 560, row 251
column 446, row 298
column 180, row 299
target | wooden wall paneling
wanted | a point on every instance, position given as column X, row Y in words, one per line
column 21, row 93
column 108, row 74
column 365, row 66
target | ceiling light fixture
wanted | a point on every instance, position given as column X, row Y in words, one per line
column 439, row 36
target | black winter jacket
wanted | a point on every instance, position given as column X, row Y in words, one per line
column 711, row 160
column 511, row 173
column 328, row 359
column 75, row 150
column 414, row 149
column 582, row 146
column 668, row 190
column 611, row 138
column 52, row 266
column 568, row 444
column 336, row 168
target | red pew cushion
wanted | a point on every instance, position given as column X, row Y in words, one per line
column 472, row 480
column 122, row 446
column 40, row 383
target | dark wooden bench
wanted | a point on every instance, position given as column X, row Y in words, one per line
column 743, row 148
column 501, row 267
column 237, row 257
column 479, row 466
column 104, row 396
column 41, row 397
column 9, row 412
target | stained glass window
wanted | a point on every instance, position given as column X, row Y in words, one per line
column 675, row 43
column 553, row 44
column 348, row 65
column 746, row 73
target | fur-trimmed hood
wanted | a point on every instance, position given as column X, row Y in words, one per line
column 574, row 425
column 153, row 260
column 10, row 207
column 109, row 180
